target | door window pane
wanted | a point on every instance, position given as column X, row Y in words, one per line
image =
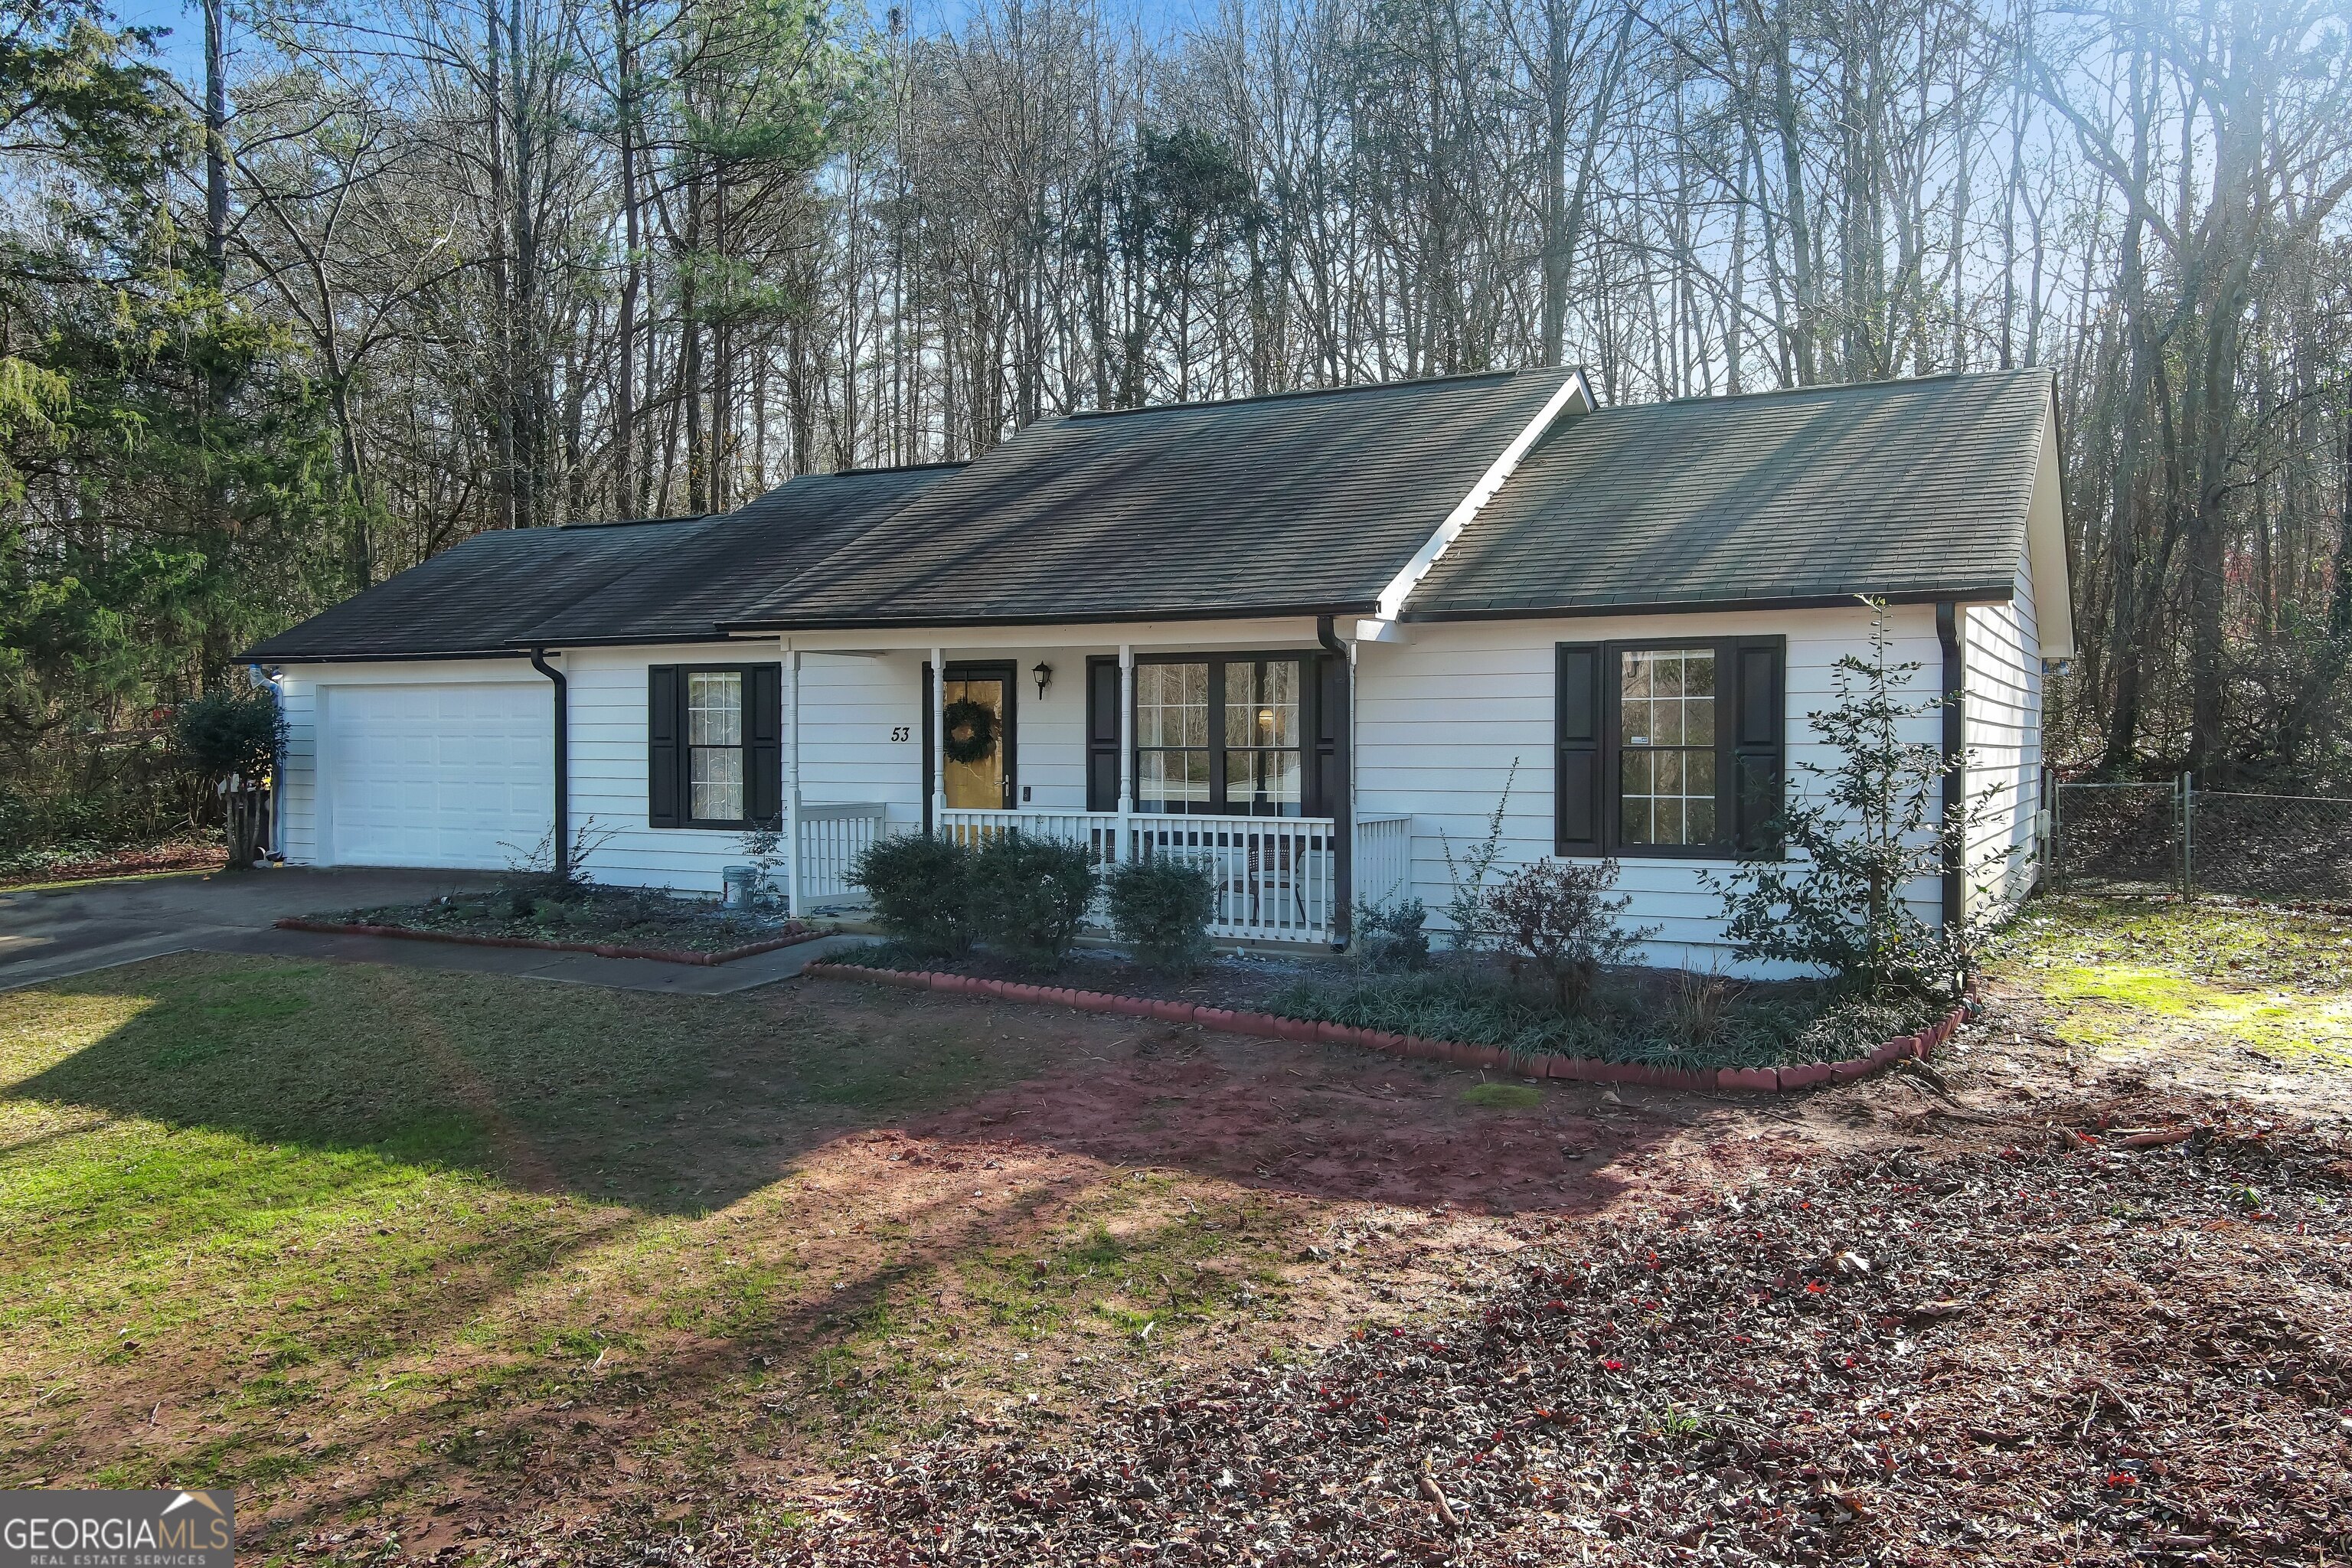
column 1666, row 773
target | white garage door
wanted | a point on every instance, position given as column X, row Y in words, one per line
column 435, row 775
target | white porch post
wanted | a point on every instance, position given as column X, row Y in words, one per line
column 1126, row 750
column 793, row 782
column 1355, row 816
column 938, row 741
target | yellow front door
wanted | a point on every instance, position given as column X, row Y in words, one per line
column 977, row 783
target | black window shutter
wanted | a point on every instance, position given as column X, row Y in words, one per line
column 1759, row 741
column 665, row 756
column 1102, row 735
column 764, row 742
column 1327, row 768
column 1576, row 748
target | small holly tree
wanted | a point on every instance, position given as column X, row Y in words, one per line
column 1857, row 834
column 231, row 739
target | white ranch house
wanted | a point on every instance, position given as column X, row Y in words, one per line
column 1305, row 638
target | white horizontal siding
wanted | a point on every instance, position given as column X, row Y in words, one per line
column 1440, row 720
column 851, row 705
column 2001, row 654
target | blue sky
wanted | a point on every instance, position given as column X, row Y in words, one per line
column 182, row 53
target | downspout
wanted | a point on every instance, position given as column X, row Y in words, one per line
column 1955, row 784
column 563, row 856
column 1343, row 808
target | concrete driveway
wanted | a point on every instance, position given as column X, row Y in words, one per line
column 48, row 933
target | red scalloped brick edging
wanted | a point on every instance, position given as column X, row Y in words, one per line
column 1272, row 1026
column 600, row 948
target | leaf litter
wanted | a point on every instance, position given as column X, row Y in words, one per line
column 2082, row 1346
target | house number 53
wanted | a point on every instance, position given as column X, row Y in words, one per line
column 900, row 732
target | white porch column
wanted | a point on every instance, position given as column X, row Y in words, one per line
column 1126, row 750
column 792, row 781
column 938, row 741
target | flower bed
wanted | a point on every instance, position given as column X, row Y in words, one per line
column 607, row 922
column 1582, row 1070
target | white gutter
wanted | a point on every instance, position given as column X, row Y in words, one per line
column 1383, row 627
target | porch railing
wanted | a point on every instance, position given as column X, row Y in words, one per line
column 1384, row 857
column 1275, row 876
column 832, row 837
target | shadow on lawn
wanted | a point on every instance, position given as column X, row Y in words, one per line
column 772, row 1180
column 670, row 1105
column 684, row 1105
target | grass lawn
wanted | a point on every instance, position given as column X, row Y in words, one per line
column 411, row 1255
column 2209, row 977
column 332, row 1233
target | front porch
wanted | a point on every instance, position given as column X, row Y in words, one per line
column 1238, row 761
column 1278, row 878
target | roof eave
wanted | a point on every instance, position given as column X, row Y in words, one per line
column 258, row 656
column 1978, row 594
column 1070, row 618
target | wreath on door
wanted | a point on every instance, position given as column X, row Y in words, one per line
column 971, row 731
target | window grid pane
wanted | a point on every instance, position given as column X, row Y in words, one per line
column 715, row 783
column 1170, row 780
column 714, row 709
column 1258, row 727
column 1171, row 704
column 1666, row 772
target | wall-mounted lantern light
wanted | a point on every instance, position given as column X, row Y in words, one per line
column 1044, row 674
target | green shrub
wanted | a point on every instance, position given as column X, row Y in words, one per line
column 1391, row 936
column 1028, row 894
column 225, row 731
column 1161, row 908
column 922, row 890
column 1552, row 917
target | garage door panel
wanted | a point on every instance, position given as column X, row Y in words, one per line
column 454, row 776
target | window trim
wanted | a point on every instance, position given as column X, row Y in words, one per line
column 1309, row 720
column 1608, row 746
column 686, row 747
column 753, row 675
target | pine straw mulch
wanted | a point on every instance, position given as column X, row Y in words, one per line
column 2052, row 1350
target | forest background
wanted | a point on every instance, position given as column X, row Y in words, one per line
column 305, row 290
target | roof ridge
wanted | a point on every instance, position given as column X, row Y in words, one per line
column 612, row 522
column 1352, row 386
column 881, row 469
column 1827, row 386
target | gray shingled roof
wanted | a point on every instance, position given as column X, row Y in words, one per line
column 1904, row 489
column 661, row 580
column 790, row 531
column 1303, row 501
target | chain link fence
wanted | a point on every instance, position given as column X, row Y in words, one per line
column 2169, row 837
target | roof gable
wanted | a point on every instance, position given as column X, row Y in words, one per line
column 1903, row 489
column 1303, row 501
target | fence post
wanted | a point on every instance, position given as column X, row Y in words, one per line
column 2054, row 850
column 2188, row 835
